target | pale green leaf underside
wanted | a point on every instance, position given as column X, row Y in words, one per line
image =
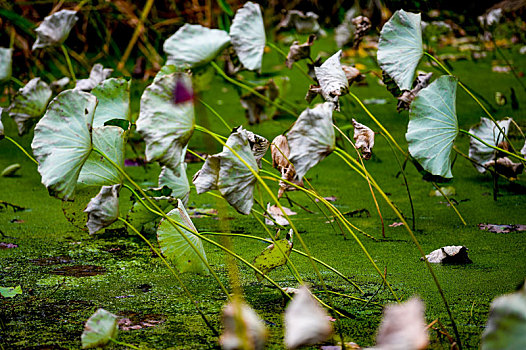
column 99, row 328
column 194, row 45
column 248, row 35
column 98, row 171
column 114, row 100
column 400, row 47
column 433, row 126
column 29, row 104
column 165, row 126
column 176, row 248
column 177, row 182
column 6, row 64
column 55, row 28
column 487, row 131
column 62, row 141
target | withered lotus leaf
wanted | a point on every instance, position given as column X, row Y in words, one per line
column 103, row 209
column 280, row 153
column 299, row 51
column 408, row 96
column 332, row 79
column 487, row 131
column 55, row 28
column 364, row 138
column 238, row 313
column 96, row 76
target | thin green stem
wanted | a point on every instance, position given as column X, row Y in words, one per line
column 18, row 82
column 296, row 64
column 124, row 344
column 22, row 149
column 228, row 127
column 494, row 147
column 68, row 60
column 450, row 203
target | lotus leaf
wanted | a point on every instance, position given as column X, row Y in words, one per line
column 166, row 127
column 255, row 333
column 273, row 257
column 248, row 35
column 114, row 101
column 433, row 126
column 258, row 144
column 6, row 62
column 55, row 28
column 176, row 248
column 73, row 210
column 305, row 23
column 306, row 321
column 488, row 132
column 206, row 178
column 103, row 209
column 29, row 104
column 10, row 292
column 138, row 216
column 96, row 76
column 280, row 160
column 311, row 138
column 62, row 141
column 299, row 51
column 194, row 45
column 332, row 78
column 98, row 171
column 506, row 328
column 176, row 182
column 364, row 138
column 400, row 47
column 99, row 329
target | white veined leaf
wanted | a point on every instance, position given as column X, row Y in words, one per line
column 62, row 141
column 332, row 78
column 248, row 35
column 487, row 131
column 6, row 64
column 103, row 209
column 55, row 28
column 114, row 100
column 165, row 126
column 235, row 314
column 306, row 321
column 98, row 171
column 176, row 248
column 194, row 45
column 29, row 104
column 400, row 47
column 311, row 138
column 433, row 126
column 99, row 329
column 96, row 76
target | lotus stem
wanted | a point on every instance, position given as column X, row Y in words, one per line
column 183, row 286
column 68, row 60
column 16, row 81
column 296, row 64
column 450, row 203
column 21, row 148
column 123, row 344
column 228, row 127
column 494, row 147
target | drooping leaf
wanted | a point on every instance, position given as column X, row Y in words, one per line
column 96, row 76
column 176, row 248
column 238, row 313
column 332, row 79
column 506, row 327
column 62, row 141
column 311, row 138
column 506, row 167
column 274, row 256
column 280, row 160
column 408, row 96
column 451, row 254
column 433, row 126
column 194, row 45
column 165, row 126
column 258, row 144
column 114, row 100
column 6, row 64
column 304, row 23
column 55, row 28
column 10, row 292
column 403, row 327
column 306, row 322
column 299, row 51
column 97, row 170
column 277, row 215
column 103, row 209
column 99, row 329
column 364, row 138
column 29, row 104
column 177, row 182
column 400, row 47
column 248, row 35
column 487, row 131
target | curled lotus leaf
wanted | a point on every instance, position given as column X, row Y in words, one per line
column 400, row 47
column 364, row 138
column 248, row 35
column 506, row 327
column 506, row 167
column 311, row 138
column 489, row 133
column 103, row 209
column 304, row 23
column 55, row 28
column 97, row 170
column 273, row 256
column 523, row 149
column 332, row 78
column 433, row 126
column 99, row 329
column 280, row 152
column 114, row 100
column 258, row 144
column 408, row 96
column 29, row 104
column 299, row 51
column 177, row 182
column 165, row 126
column 194, row 45
column 403, row 327
column 96, row 76
column 206, row 178
column 176, row 248
column 306, row 321
column 62, row 141
column 254, row 329
column 6, row 64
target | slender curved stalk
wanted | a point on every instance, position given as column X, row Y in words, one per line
column 22, row 149
column 195, row 154
column 186, row 291
column 228, row 127
column 494, row 147
column 131, row 346
column 68, row 60
column 16, row 81
column 450, row 203
column 296, row 64
column 353, row 298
